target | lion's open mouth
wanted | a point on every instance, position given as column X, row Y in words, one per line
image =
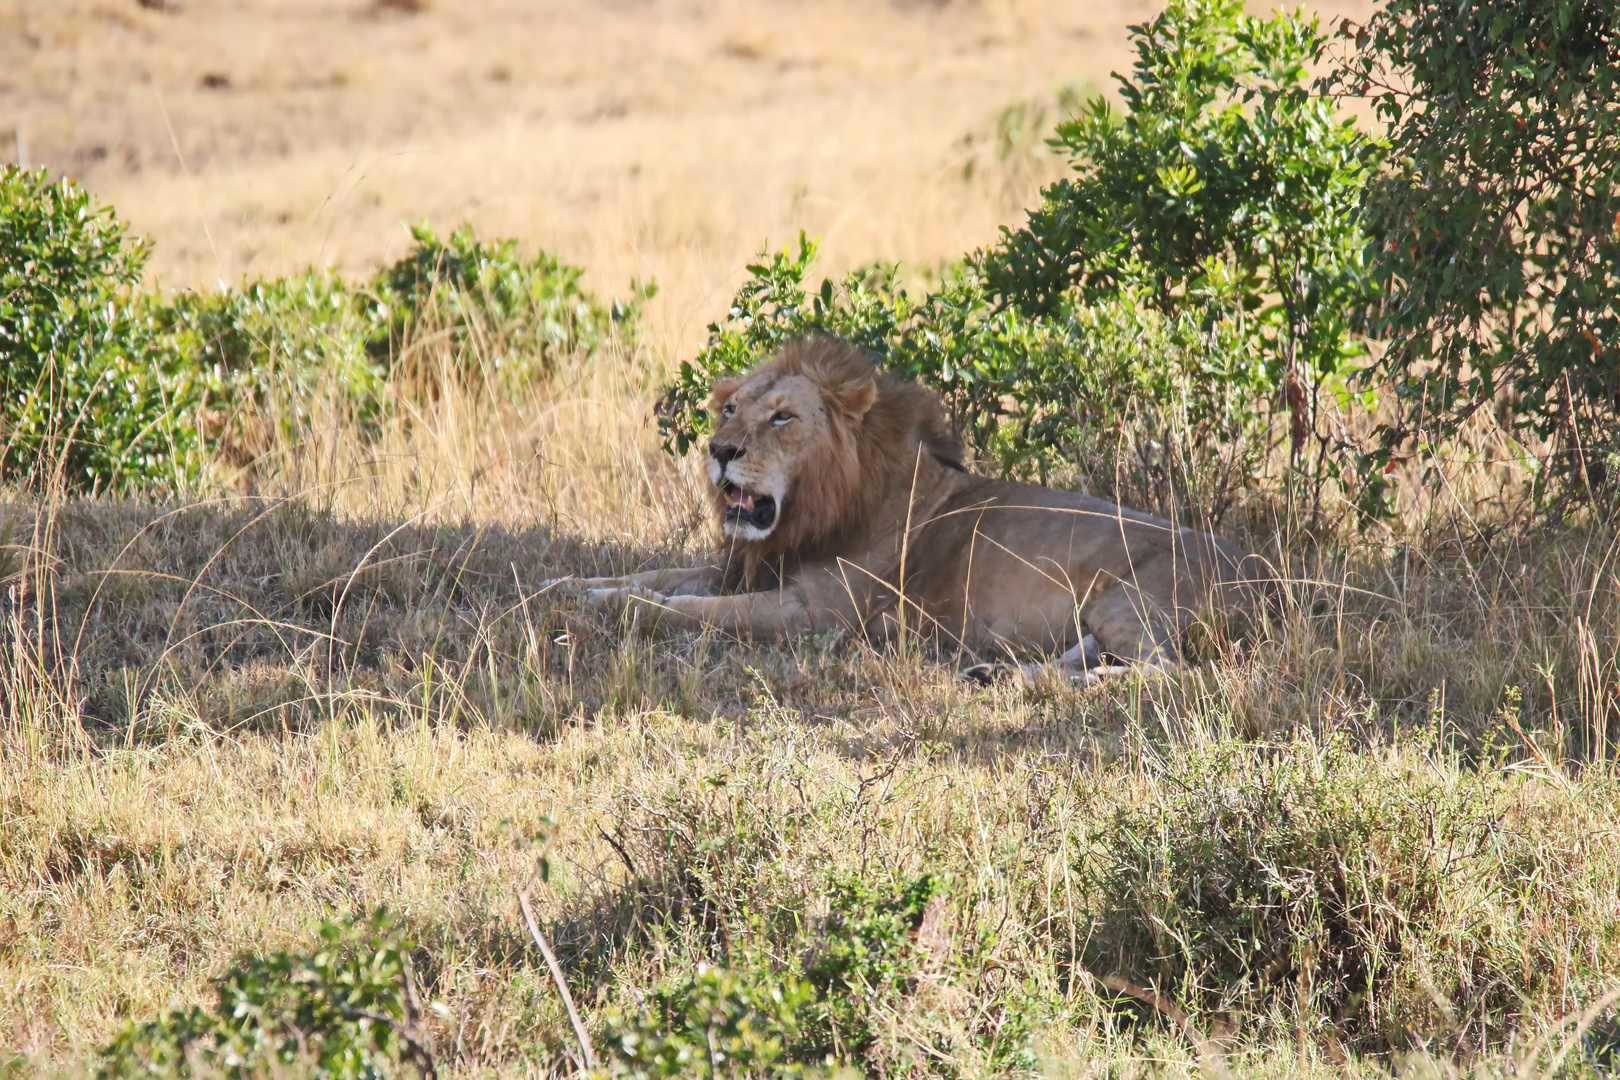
column 748, row 507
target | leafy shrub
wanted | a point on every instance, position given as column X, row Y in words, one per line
column 268, row 351
column 866, row 949
column 131, row 389
column 728, row 1023
column 1206, row 253
column 283, row 343
column 1229, row 190
column 718, row 1023
column 526, row 314
column 1495, row 246
column 347, row 1010
column 80, row 390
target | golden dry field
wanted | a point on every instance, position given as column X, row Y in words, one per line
column 1377, row 838
column 637, row 138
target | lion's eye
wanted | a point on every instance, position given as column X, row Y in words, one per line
column 725, row 413
column 781, row 418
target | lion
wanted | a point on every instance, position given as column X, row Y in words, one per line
column 844, row 503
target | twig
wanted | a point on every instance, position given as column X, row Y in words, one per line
column 623, row 854
column 423, row 1056
column 557, row 977
column 1210, row 1059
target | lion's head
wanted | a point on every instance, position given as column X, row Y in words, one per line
column 808, row 444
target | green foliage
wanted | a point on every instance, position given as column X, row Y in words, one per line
column 345, row 1010
column 1206, row 252
column 1225, row 180
column 80, row 396
column 718, row 1023
column 122, row 389
column 1496, row 227
column 1228, row 191
column 731, row 1023
column 866, row 953
column 526, row 314
column 268, row 351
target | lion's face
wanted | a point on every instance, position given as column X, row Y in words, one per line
column 778, row 436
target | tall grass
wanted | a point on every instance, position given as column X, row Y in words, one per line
column 1378, row 833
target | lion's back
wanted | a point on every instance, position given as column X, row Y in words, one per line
column 1051, row 530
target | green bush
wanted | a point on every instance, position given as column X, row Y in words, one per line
column 718, row 1023
column 866, row 951
column 345, row 1010
column 269, row 350
column 122, row 389
column 275, row 348
column 1228, row 190
column 84, row 400
column 510, row 319
column 1496, row 226
column 1205, row 255
column 860, row 959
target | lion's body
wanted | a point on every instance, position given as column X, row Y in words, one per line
column 845, row 505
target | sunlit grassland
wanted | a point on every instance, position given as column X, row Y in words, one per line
column 1379, row 830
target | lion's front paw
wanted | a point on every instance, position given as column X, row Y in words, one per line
column 620, row 597
column 1029, row 676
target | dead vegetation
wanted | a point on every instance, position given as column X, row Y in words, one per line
column 1377, row 836
column 1380, row 832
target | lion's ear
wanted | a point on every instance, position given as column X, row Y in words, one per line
column 854, row 399
column 721, row 393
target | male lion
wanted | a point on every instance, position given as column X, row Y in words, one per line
column 842, row 495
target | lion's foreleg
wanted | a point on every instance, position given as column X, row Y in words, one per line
column 773, row 613
column 763, row 614
column 674, row 581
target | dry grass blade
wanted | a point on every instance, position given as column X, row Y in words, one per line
column 1583, row 1023
column 586, row 1050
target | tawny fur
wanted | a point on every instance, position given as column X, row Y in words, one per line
column 867, row 458
column 879, row 529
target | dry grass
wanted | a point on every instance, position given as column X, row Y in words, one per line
column 228, row 720
column 223, row 721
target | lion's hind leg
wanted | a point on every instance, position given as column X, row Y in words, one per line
column 1127, row 629
column 1082, row 664
column 1132, row 628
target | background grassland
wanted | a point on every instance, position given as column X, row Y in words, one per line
column 656, row 139
column 1379, row 833
column 1382, row 831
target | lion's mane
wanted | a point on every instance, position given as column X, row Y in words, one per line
column 867, row 463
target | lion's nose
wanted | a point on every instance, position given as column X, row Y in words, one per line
column 724, row 454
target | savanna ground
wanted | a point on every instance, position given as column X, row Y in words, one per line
column 1379, row 834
